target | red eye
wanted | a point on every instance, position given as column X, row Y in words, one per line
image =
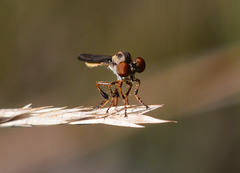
column 123, row 69
column 140, row 64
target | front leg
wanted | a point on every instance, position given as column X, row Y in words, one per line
column 136, row 93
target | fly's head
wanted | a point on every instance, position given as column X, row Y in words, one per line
column 122, row 61
column 139, row 65
column 125, row 66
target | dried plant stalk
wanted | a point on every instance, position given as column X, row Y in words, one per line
column 46, row 116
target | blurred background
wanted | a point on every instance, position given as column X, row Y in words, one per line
column 192, row 51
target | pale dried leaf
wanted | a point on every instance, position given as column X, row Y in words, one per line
column 45, row 116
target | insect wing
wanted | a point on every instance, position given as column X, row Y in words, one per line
column 91, row 58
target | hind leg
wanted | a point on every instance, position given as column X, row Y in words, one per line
column 103, row 94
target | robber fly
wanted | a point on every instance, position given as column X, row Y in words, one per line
column 124, row 68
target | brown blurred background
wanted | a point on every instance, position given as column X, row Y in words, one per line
column 192, row 51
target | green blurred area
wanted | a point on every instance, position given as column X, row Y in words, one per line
column 192, row 52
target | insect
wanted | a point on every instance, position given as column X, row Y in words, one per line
column 124, row 68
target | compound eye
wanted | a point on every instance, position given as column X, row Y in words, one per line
column 140, row 65
column 123, row 69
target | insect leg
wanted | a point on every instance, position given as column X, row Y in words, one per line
column 136, row 93
column 128, row 91
column 123, row 97
column 103, row 94
column 116, row 95
column 114, row 100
